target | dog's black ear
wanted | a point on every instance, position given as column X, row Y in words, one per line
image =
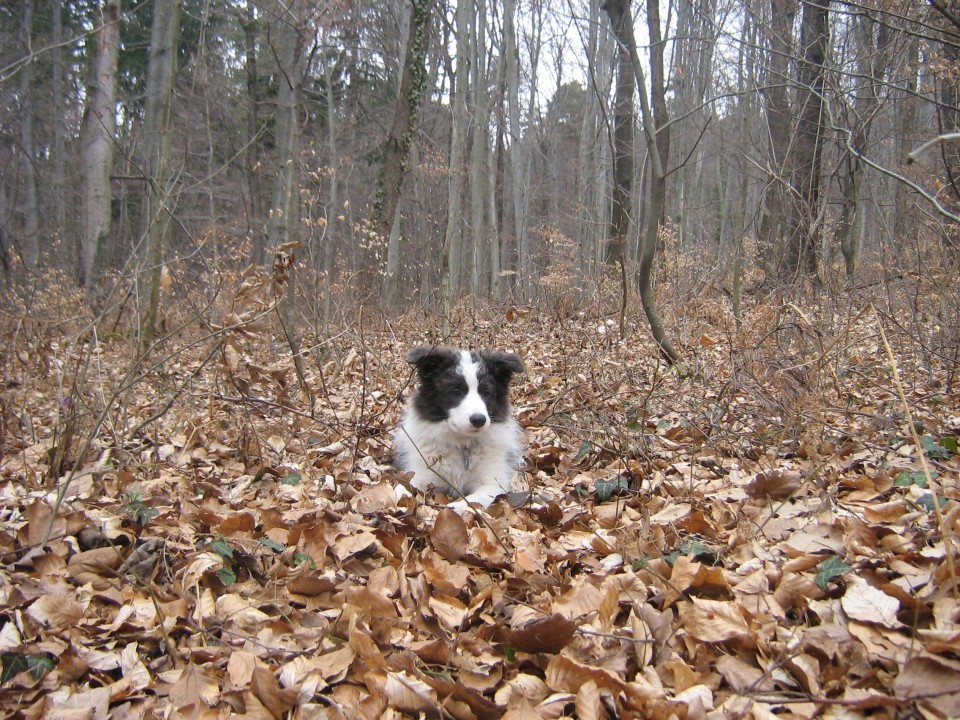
column 431, row 360
column 502, row 363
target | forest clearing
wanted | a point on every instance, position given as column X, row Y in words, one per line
column 721, row 236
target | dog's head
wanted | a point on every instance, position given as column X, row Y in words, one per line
column 467, row 390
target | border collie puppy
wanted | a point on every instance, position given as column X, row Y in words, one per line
column 458, row 433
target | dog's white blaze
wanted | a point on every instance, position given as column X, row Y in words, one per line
column 472, row 404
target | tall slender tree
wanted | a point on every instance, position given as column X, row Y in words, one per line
column 621, row 20
column 624, row 119
column 161, row 71
column 453, row 242
column 97, row 141
column 30, row 244
column 397, row 145
column 251, row 29
column 802, row 242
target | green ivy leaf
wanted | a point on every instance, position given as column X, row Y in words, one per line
column 14, row 663
column 227, row 575
column 935, row 450
column 273, row 544
column 829, row 569
column 926, row 502
column 585, row 448
column 906, row 479
column 606, row 488
column 299, row 558
column 222, row 548
column 40, row 665
column 695, row 549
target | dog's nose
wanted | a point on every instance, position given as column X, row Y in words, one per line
column 478, row 420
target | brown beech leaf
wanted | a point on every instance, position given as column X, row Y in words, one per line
column 521, row 709
column 588, row 702
column 742, row 677
column 449, row 535
column 238, row 523
column 935, row 679
column 407, row 692
column 715, row 621
column 865, row 603
column 196, row 687
column 56, row 611
column 96, row 566
column 549, row 635
column 264, row 685
column 564, row 674
column 774, row 484
column 478, row 705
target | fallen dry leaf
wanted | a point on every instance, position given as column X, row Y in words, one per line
column 865, row 603
column 195, row 688
column 449, row 535
column 546, row 635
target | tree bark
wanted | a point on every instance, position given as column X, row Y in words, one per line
column 873, row 62
column 453, row 242
column 250, row 29
column 623, row 122
column 161, row 72
column 479, row 147
column 802, row 245
column 518, row 189
column 59, row 128
column 30, row 237
column 778, row 116
column 99, row 125
column 396, row 149
column 590, row 180
column 621, row 19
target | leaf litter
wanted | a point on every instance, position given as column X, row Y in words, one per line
column 749, row 534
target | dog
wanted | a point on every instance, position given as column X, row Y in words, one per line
column 458, row 432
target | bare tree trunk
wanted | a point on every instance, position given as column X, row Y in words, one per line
column 391, row 276
column 623, row 170
column 332, row 229
column 397, row 146
column 658, row 103
column 906, row 114
column 479, row 147
column 99, row 124
column 621, row 19
column 873, row 62
column 284, row 225
column 587, row 156
column 285, row 211
column 59, row 129
column 802, row 245
column 30, row 238
column 512, row 70
column 161, row 72
column 453, row 242
column 746, row 77
column 256, row 226
column 773, row 223
column 692, row 77
column 534, row 44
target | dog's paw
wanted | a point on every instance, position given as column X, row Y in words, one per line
column 461, row 507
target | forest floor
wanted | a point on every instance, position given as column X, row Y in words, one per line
column 767, row 529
